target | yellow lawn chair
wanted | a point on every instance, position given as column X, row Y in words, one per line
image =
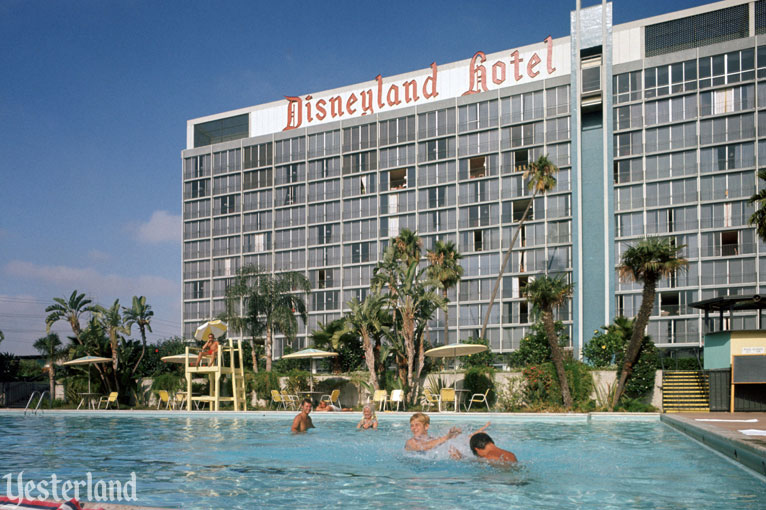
column 398, row 397
column 429, row 398
column 277, row 399
column 109, row 399
column 447, row 395
column 380, row 397
column 479, row 398
column 164, row 398
column 333, row 398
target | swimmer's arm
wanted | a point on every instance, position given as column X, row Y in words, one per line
column 486, row 425
column 433, row 443
column 296, row 425
column 375, row 424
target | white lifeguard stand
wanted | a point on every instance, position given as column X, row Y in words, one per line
column 215, row 370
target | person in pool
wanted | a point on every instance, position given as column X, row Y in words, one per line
column 484, row 447
column 369, row 420
column 420, row 440
column 302, row 422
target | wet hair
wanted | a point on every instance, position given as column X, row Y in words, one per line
column 480, row 441
column 308, row 401
column 422, row 418
column 372, row 411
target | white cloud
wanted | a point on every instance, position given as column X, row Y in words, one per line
column 98, row 256
column 162, row 227
column 96, row 283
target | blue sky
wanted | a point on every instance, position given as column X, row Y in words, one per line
column 94, row 99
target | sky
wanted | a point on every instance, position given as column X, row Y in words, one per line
column 94, row 99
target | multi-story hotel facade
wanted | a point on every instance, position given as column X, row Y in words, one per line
column 655, row 126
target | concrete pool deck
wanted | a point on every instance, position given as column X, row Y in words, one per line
column 724, row 436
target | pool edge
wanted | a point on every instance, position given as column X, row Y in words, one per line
column 736, row 446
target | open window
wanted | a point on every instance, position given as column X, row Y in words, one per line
column 729, row 243
column 669, row 303
column 523, row 312
column 519, row 206
column 397, row 179
column 520, row 160
column 477, row 167
column 478, row 240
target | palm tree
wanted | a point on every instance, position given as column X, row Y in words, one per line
column 546, row 293
column 445, row 269
column 758, row 218
column 540, row 177
column 141, row 315
column 50, row 347
column 69, row 310
column 365, row 320
column 113, row 324
column 408, row 245
column 648, row 261
column 245, row 323
column 272, row 300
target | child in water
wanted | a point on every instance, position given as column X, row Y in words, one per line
column 420, row 440
column 369, row 420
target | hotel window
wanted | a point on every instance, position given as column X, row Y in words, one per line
column 557, row 101
column 322, row 213
column 359, row 208
column 324, row 256
column 438, row 173
column 525, row 107
column 323, row 278
column 196, row 290
column 360, row 137
column 628, row 144
column 436, row 221
column 727, row 129
column 357, row 275
column 324, row 190
column 197, row 166
column 227, row 161
column 431, row 150
column 591, row 74
column 557, row 129
column 397, row 156
column 480, row 191
column 359, row 230
column 197, row 249
column 626, row 87
column 292, row 238
column 290, row 174
column 732, row 99
column 727, row 157
column 324, row 144
column 196, row 229
column 361, row 162
column 225, row 267
column 196, row 209
column 258, row 155
column 326, row 300
column 289, row 217
column 477, row 115
column 290, row 260
column 197, row 189
column 399, row 130
column 523, row 134
column 557, row 206
column 257, row 200
column 199, row 269
column 441, row 196
column 258, row 179
column 731, row 67
column 226, row 205
column 626, row 117
column 292, row 149
column 324, row 234
column 227, row 184
column 474, row 143
column 436, row 123
column 478, row 216
column 226, row 246
column 324, row 168
column 358, row 252
column 257, row 221
column 359, row 185
column 670, row 79
column 226, row 225
column 290, row 195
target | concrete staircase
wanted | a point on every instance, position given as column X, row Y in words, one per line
column 685, row 391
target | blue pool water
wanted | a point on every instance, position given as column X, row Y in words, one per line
column 246, row 461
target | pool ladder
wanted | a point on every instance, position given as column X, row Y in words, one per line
column 37, row 407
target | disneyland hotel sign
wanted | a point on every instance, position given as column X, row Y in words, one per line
column 480, row 75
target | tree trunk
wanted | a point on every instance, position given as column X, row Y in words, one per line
column 557, row 356
column 253, row 355
column 143, row 350
column 51, row 381
column 421, row 363
column 369, row 358
column 636, row 338
column 408, row 333
column 267, row 347
column 115, row 361
column 446, row 318
column 504, row 263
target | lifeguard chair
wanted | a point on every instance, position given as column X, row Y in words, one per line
column 227, row 361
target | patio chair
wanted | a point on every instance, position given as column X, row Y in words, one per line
column 291, row 400
column 164, row 398
column 479, row 398
column 109, row 399
column 333, row 398
column 447, row 395
column 277, row 399
column 398, row 397
column 429, row 398
column 380, row 397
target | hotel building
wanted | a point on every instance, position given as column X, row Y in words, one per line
column 655, row 126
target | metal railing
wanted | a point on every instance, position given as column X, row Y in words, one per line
column 40, row 401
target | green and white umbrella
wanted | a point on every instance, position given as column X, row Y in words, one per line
column 313, row 355
column 87, row 360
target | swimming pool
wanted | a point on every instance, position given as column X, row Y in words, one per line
column 201, row 461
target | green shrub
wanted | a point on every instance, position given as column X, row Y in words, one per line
column 479, row 379
column 510, row 396
column 297, row 381
column 538, row 379
column 262, row 383
column 480, row 359
column 641, row 380
column 534, row 348
column 168, row 382
column 580, row 382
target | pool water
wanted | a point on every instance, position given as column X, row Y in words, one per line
column 202, row 462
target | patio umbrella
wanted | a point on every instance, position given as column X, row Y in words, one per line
column 87, row 360
column 218, row 328
column 175, row 358
column 455, row 350
column 312, row 354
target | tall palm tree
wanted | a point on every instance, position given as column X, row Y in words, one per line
column 546, row 293
column 273, row 299
column 246, row 322
column 69, row 310
column 647, row 262
column 445, row 269
column 365, row 320
column 141, row 315
column 758, row 218
column 408, row 246
column 50, row 347
column 540, row 177
column 111, row 319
